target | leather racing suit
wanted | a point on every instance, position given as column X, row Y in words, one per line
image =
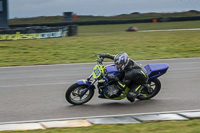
column 135, row 77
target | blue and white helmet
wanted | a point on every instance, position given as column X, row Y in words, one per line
column 121, row 60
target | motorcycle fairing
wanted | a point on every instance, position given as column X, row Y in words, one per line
column 98, row 71
column 156, row 70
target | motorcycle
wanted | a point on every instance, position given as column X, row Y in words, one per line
column 83, row 90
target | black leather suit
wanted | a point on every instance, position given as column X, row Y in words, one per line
column 135, row 77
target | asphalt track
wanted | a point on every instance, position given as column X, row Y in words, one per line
column 37, row 92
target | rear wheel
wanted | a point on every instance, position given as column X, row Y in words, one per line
column 74, row 92
column 154, row 87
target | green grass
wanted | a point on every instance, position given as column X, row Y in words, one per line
column 141, row 26
column 161, row 127
column 105, row 38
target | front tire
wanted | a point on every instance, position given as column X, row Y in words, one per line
column 74, row 92
column 154, row 88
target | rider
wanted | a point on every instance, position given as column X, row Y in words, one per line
column 135, row 76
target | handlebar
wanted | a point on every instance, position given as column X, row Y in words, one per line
column 99, row 59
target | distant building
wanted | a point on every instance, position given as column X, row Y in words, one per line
column 70, row 16
column 3, row 13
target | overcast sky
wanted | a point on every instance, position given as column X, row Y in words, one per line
column 33, row 8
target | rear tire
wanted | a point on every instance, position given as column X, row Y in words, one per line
column 155, row 87
column 73, row 94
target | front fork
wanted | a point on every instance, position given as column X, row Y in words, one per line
column 89, row 84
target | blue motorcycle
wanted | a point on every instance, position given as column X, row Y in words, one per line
column 83, row 90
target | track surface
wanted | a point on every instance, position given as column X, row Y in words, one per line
column 37, row 92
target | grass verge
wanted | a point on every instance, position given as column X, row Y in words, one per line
column 107, row 38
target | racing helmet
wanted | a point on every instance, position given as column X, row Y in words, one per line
column 121, row 60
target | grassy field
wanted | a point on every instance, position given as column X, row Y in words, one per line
column 161, row 127
column 105, row 38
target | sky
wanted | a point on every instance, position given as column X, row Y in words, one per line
column 34, row 8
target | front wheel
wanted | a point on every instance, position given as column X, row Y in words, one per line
column 73, row 94
column 151, row 91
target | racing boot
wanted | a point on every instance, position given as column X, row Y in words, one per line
column 133, row 93
column 131, row 96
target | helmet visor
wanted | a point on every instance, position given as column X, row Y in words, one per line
column 118, row 66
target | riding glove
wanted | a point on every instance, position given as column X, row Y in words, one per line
column 103, row 55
